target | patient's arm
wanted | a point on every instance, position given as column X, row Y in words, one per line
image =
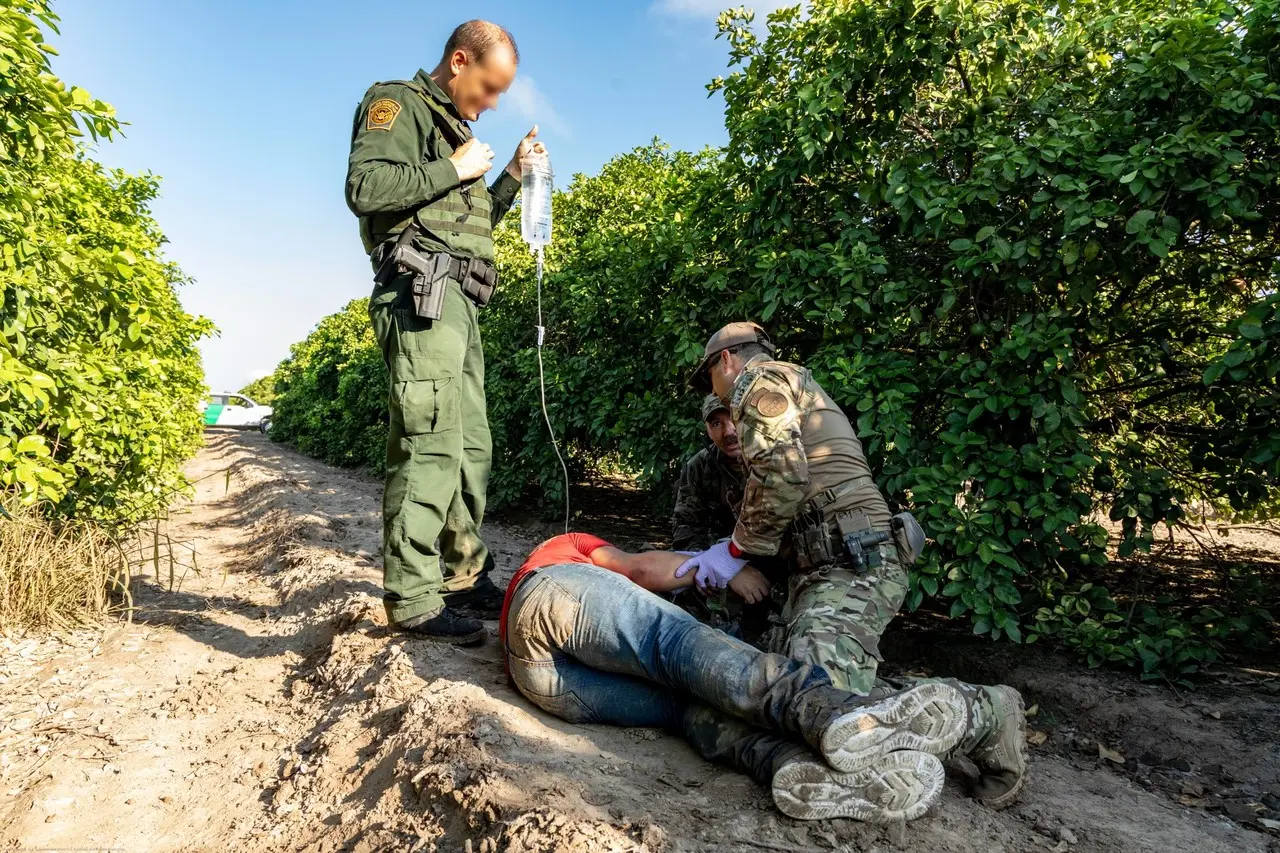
column 653, row 570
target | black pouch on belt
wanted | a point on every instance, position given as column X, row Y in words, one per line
column 479, row 280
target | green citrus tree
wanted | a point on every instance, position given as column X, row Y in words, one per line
column 331, row 392
column 1032, row 246
column 99, row 374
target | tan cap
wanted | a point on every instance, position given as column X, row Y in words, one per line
column 732, row 335
column 711, row 405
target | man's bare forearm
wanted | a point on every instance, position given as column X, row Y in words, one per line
column 652, row 570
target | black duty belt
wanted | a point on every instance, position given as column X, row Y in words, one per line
column 478, row 278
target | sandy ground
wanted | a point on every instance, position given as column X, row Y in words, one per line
column 263, row 705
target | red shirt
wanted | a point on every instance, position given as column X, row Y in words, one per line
column 565, row 548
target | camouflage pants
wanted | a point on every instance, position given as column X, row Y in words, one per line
column 834, row 618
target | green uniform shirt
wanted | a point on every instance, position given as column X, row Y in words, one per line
column 400, row 162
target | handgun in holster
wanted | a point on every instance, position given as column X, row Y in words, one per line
column 430, row 275
column 861, row 543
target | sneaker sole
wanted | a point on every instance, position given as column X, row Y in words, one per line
column 930, row 718
column 902, row 786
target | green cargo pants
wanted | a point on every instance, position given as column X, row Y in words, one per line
column 834, row 618
column 438, row 450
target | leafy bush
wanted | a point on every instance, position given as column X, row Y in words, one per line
column 331, row 392
column 1031, row 247
column 1016, row 239
column 1162, row 640
column 261, row 390
column 99, row 375
column 613, row 387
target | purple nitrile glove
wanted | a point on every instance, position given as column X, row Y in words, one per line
column 716, row 567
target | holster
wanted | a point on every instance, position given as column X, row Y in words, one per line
column 432, row 272
column 843, row 539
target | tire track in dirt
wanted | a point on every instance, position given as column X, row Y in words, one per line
column 266, row 706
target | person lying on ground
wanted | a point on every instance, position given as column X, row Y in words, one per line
column 586, row 639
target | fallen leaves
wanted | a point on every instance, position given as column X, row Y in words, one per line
column 1110, row 755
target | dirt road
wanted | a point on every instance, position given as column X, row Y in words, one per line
column 265, row 706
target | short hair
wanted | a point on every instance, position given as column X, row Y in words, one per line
column 477, row 37
column 749, row 351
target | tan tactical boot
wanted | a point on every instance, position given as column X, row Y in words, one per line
column 997, row 744
column 901, row 785
column 930, row 718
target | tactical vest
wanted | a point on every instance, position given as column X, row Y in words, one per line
column 460, row 219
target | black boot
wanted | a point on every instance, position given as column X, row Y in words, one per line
column 447, row 626
column 483, row 601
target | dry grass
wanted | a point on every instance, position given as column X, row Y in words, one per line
column 57, row 575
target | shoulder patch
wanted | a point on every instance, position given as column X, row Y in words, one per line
column 770, row 404
column 382, row 114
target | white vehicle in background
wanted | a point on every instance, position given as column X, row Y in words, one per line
column 235, row 411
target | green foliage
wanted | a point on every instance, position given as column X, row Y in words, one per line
column 1164, row 639
column 1030, row 247
column 99, row 375
column 261, row 390
column 1016, row 239
column 614, row 388
column 331, row 392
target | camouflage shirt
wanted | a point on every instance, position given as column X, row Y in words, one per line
column 797, row 444
column 707, row 500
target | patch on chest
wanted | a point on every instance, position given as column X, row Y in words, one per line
column 770, row 404
column 382, row 114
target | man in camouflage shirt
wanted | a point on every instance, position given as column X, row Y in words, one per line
column 707, row 500
column 804, row 461
column 710, row 488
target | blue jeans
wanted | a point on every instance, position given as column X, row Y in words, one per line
column 590, row 646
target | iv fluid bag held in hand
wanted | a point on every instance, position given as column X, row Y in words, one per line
column 535, row 228
column 535, row 202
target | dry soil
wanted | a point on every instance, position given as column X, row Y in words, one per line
column 262, row 704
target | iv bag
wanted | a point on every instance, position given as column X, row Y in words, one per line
column 535, row 202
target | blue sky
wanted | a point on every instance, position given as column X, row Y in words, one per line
column 244, row 110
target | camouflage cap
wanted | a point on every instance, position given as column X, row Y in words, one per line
column 732, row 335
column 711, row 405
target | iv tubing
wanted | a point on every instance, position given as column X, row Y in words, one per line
column 542, row 390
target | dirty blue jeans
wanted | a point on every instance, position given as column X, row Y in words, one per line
column 589, row 646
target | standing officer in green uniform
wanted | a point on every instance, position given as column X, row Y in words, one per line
column 810, row 497
column 416, row 181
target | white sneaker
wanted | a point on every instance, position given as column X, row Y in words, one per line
column 929, row 718
column 903, row 785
